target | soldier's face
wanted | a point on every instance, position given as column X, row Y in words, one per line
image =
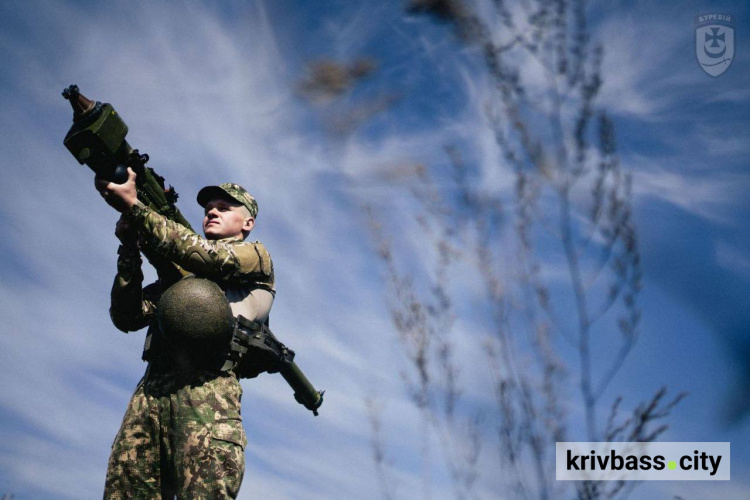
column 225, row 218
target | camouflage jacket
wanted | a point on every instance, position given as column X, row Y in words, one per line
column 230, row 262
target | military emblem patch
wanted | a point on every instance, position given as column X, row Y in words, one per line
column 714, row 42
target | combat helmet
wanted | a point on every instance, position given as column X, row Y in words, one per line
column 194, row 315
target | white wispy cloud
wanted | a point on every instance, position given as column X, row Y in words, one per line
column 639, row 53
column 712, row 197
column 732, row 258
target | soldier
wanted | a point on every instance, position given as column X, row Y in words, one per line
column 182, row 432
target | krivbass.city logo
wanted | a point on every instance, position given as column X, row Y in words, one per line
column 714, row 42
column 642, row 461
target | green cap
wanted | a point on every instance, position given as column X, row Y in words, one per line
column 233, row 191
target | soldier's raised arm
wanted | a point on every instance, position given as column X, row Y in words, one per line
column 224, row 261
column 131, row 306
column 228, row 261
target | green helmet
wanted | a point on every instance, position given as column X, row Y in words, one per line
column 194, row 313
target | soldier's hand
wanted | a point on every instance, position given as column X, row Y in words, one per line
column 126, row 233
column 119, row 196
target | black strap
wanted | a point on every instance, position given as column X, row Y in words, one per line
column 254, row 349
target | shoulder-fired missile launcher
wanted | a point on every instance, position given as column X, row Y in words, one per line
column 191, row 310
column 97, row 139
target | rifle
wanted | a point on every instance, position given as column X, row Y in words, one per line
column 97, row 139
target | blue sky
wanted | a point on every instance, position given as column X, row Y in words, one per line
column 208, row 90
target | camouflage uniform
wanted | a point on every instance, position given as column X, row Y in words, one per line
column 182, row 435
column 182, row 432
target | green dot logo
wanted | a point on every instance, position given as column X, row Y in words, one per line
column 672, row 465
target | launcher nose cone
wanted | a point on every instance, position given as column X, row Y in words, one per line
column 81, row 104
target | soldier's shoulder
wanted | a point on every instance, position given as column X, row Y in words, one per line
column 258, row 244
column 253, row 257
column 238, row 243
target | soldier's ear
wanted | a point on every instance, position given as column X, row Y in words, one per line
column 249, row 224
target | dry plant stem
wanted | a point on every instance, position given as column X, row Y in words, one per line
column 374, row 411
column 583, row 320
column 423, row 326
column 571, row 206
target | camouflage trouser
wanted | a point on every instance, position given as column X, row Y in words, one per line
column 181, row 435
